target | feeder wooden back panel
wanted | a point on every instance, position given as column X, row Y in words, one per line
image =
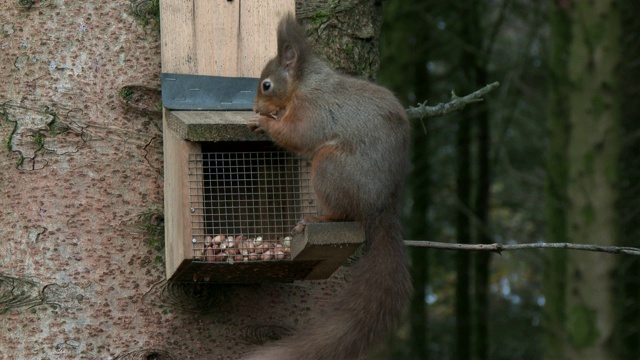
column 219, row 37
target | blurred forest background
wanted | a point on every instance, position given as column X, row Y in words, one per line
column 550, row 156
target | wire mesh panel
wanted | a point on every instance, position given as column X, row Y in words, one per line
column 244, row 204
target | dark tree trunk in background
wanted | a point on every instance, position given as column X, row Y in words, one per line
column 627, row 305
column 482, row 264
column 475, row 69
column 555, row 266
column 419, row 188
column 463, row 236
column 404, row 54
column 470, row 65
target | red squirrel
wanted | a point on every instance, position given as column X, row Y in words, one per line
column 357, row 136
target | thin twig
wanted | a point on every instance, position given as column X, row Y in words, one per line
column 498, row 248
column 423, row 111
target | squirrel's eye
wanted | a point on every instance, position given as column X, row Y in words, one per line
column 266, row 85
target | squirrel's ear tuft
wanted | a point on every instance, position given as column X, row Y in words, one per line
column 288, row 56
column 292, row 45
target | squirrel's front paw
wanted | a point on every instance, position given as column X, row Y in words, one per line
column 299, row 228
column 254, row 125
column 261, row 124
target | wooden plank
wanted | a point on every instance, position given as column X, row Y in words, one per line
column 199, row 36
column 178, row 246
column 259, row 17
column 223, row 38
column 213, row 125
column 330, row 243
column 196, row 186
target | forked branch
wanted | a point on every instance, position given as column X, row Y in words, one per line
column 423, row 111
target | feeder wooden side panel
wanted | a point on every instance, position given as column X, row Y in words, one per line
column 178, row 245
column 222, row 38
column 308, row 199
column 196, row 186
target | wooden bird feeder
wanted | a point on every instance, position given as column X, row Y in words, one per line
column 231, row 196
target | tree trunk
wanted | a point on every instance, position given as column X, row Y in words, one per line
column 404, row 71
column 476, row 61
column 593, row 149
column 555, row 267
column 463, row 236
column 345, row 32
column 481, row 211
column 419, row 187
column 470, row 63
column 627, row 330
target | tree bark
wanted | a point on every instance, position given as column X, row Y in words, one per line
column 555, row 267
column 345, row 32
column 404, row 71
column 482, row 269
column 477, row 70
column 626, row 329
column 593, row 149
column 463, row 236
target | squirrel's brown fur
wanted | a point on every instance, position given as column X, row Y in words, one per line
column 357, row 136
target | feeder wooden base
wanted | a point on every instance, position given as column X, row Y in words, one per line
column 316, row 254
column 329, row 244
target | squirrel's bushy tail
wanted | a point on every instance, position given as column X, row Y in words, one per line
column 367, row 310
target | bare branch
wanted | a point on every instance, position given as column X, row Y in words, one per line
column 498, row 248
column 423, row 111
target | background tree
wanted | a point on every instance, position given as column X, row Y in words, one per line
column 405, row 48
column 626, row 333
column 557, row 181
column 592, row 151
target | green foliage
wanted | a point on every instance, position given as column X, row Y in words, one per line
column 588, row 214
column 319, row 17
column 4, row 115
column 581, row 326
column 126, row 93
column 38, row 139
column 27, row 4
column 9, row 142
column 152, row 222
column 57, row 127
column 147, row 11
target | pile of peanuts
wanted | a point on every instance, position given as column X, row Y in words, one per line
column 230, row 249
